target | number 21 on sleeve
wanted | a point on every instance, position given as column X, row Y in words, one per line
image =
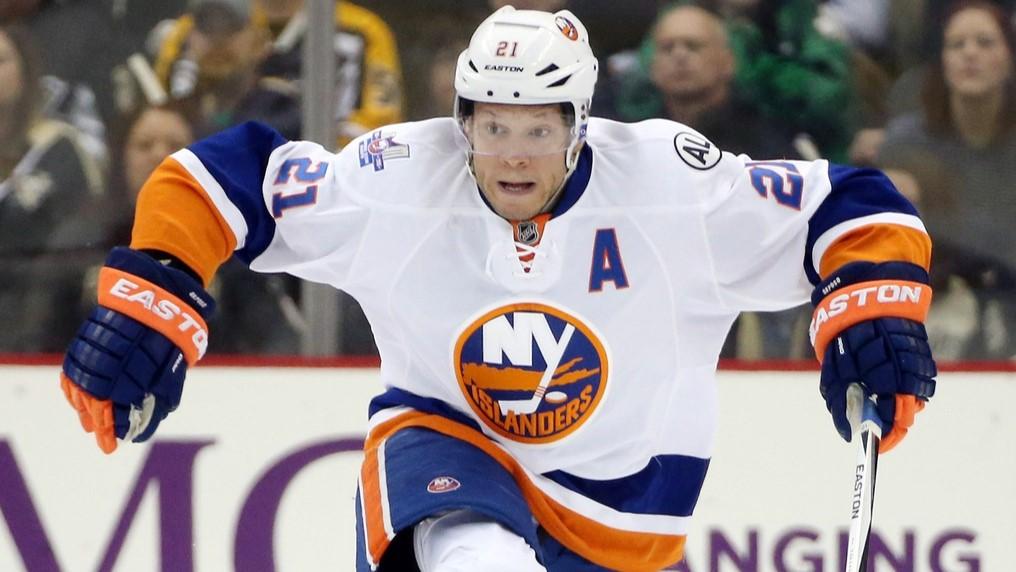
column 778, row 179
column 297, row 170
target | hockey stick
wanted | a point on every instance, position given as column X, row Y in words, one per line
column 866, row 424
column 525, row 406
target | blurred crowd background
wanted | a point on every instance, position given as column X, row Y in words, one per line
column 95, row 93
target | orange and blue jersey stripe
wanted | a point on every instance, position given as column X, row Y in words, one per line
column 864, row 218
column 205, row 202
column 642, row 518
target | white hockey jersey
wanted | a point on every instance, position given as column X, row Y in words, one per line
column 584, row 349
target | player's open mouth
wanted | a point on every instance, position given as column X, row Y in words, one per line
column 515, row 188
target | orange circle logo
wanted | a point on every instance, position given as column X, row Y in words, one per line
column 531, row 373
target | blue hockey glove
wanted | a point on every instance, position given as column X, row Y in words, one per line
column 124, row 371
column 868, row 328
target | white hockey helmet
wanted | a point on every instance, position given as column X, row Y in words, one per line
column 529, row 57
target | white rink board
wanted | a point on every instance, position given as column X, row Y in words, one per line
column 776, row 497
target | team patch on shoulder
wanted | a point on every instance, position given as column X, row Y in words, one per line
column 696, row 151
column 530, row 372
column 381, row 147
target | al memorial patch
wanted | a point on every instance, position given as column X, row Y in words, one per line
column 696, row 151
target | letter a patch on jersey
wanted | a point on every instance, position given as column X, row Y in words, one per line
column 606, row 265
column 530, row 372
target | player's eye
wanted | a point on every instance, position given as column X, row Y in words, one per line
column 494, row 129
column 540, row 132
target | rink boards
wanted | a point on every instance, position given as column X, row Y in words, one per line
column 257, row 471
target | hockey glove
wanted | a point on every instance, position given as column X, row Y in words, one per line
column 124, row 371
column 868, row 328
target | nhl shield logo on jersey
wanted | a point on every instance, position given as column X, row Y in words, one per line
column 528, row 232
column 531, row 372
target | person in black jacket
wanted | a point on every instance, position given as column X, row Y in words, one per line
column 49, row 184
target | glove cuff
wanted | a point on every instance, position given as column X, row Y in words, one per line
column 162, row 298
column 864, row 271
column 156, row 308
column 866, row 301
column 177, row 282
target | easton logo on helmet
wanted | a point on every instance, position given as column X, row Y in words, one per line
column 504, row 68
column 531, row 372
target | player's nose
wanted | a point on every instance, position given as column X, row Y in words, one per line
column 515, row 160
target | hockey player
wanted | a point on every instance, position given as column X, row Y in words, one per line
column 549, row 294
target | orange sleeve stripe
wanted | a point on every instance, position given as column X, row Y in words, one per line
column 881, row 242
column 175, row 215
column 601, row 544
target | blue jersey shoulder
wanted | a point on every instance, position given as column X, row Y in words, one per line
column 855, row 193
column 237, row 158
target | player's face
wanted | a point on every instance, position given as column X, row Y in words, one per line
column 692, row 59
column 155, row 135
column 519, row 156
column 975, row 59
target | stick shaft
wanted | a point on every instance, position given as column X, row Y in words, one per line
column 863, row 494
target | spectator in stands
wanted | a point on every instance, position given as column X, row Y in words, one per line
column 217, row 53
column 68, row 101
column 49, row 186
column 257, row 312
column 87, row 43
column 690, row 79
column 792, row 71
column 140, row 142
column 369, row 92
column 961, row 149
column 440, row 95
column 692, row 70
column 13, row 10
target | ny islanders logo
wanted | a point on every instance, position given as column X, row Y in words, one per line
column 531, row 372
